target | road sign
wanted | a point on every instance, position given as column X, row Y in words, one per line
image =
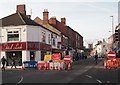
column 111, row 55
column 47, row 57
column 67, row 58
column 55, row 57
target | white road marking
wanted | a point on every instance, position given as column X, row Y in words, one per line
column 99, row 81
column 108, row 81
column 88, row 76
column 20, row 80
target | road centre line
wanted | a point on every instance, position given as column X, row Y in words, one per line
column 99, row 81
column 88, row 76
column 21, row 80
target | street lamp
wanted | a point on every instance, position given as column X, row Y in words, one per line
column 112, row 25
column 112, row 32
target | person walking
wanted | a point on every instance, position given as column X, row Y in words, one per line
column 96, row 58
column 13, row 63
column 4, row 61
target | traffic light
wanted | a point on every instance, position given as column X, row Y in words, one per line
column 116, row 35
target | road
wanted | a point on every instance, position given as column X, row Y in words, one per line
column 84, row 71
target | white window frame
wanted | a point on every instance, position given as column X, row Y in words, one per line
column 13, row 32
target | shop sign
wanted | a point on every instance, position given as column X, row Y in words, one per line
column 14, row 46
column 45, row 47
column 33, row 45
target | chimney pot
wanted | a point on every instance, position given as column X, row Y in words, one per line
column 52, row 20
column 63, row 20
column 21, row 9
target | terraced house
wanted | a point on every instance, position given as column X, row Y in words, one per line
column 26, row 39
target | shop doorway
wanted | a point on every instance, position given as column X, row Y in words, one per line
column 17, row 55
column 43, row 53
column 32, row 55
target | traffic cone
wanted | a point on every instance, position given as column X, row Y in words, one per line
column 69, row 67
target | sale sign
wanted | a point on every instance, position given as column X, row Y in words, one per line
column 55, row 56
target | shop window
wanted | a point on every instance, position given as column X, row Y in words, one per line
column 43, row 53
column 13, row 36
column 17, row 55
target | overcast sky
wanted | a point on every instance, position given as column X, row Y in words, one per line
column 91, row 18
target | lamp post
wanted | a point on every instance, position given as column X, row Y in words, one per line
column 112, row 32
column 112, row 25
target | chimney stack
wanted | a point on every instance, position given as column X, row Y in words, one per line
column 63, row 20
column 21, row 9
column 52, row 20
column 45, row 16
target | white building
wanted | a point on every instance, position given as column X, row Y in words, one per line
column 101, row 48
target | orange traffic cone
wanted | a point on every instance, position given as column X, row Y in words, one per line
column 69, row 67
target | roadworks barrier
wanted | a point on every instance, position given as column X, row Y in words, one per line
column 112, row 63
column 55, row 65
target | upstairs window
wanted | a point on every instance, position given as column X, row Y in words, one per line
column 49, row 39
column 53, row 42
column 13, row 36
column 43, row 37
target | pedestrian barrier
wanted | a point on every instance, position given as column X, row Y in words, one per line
column 47, row 65
column 29, row 64
column 56, row 64
column 41, row 65
column 62, row 66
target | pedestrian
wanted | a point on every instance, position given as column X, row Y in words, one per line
column 13, row 63
column 4, row 61
column 96, row 58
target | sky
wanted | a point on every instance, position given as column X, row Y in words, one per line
column 90, row 18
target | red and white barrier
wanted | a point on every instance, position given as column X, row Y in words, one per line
column 41, row 65
column 112, row 63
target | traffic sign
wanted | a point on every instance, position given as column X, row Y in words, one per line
column 67, row 58
column 111, row 55
column 55, row 56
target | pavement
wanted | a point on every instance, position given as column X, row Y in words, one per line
column 100, row 64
